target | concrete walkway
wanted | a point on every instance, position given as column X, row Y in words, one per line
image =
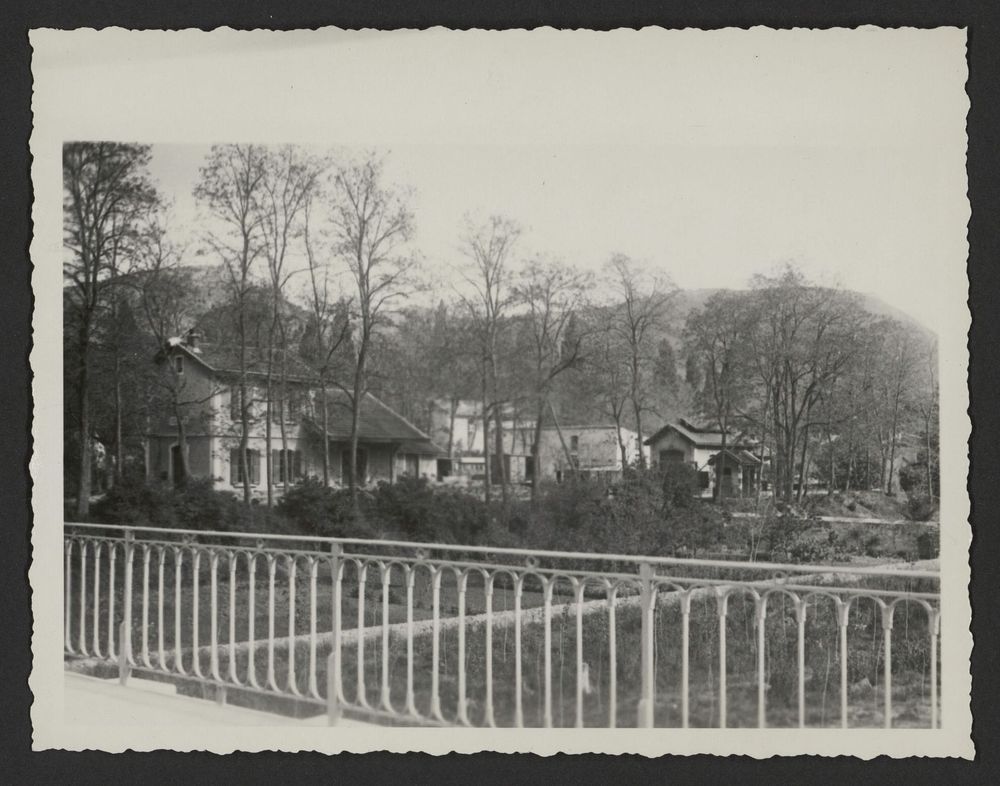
column 96, row 702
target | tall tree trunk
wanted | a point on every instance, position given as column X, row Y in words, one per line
column 244, row 457
column 804, row 465
column 893, row 440
column 287, row 458
column 326, row 434
column 641, row 461
column 833, row 464
column 181, row 444
column 929, row 462
column 352, row 476
column 83, row 480
column 501, row 463
column 119, row 446
column 565, row 447
column 356, row 403
column 487, row 482
column 452, row 413
column 268, row 469
column 536, row 452
column 83, row 392
column 720, row 469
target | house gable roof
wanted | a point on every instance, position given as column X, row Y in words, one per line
column 224, row 359
column 699, row 437
column 377, row 422
column 741, row 457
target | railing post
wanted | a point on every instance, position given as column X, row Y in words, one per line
column 125, row 634
column 843, row 617
column 123, row 667
column 685, row 658
column 760, row 618
column 800, row 653
column 934, row 628
column 887, row 614
column 646, row 600
column 333, row 662
column 332, row 686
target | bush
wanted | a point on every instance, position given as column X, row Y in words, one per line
column 920, row 507
column 194, row 505
column 412, row 509
column 314, row 509
column 137, row 503
column 927, row 545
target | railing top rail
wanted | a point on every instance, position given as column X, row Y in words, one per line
column 517, row 552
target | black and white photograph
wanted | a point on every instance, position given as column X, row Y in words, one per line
column 539, row 390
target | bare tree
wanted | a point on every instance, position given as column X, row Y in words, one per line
column 607, row 374
column 329, row 331
column 807, row 337
column 715, row 337
column 164, row 294
column 488, row 248
column 896, row 383
column 106, row 191
column 231, row 187
column 552, row 294
column 372, row 223
column 638, row 317
column 289, row 179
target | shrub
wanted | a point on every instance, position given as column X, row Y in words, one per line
column 412, row 509
column 927, row 545
column 137, row 503
column 314, row 509
column 198, row 506
column 919, row 507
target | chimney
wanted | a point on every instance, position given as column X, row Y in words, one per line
column 191, row 339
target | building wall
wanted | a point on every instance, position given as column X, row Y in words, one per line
column 195, row 384
column 597, row 449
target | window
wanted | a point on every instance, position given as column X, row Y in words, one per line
column 703, row 480
column 179, row 364
column 286, row 464
column 574, row 443
column 236, row 467
column 234, row 403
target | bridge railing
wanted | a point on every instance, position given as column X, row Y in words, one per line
column 445, row 634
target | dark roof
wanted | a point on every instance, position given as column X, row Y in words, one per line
column 421, row 448
column 225, row 359
column 378, row 423
column 703, row 438
column 583, row 427
column 739, row 456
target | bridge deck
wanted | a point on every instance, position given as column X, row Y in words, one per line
column 93, row 701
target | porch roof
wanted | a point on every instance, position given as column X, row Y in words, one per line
column 377, row 422
column 741, row 457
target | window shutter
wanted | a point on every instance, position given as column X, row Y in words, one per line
column 254, row 467
column 298, row 465
column 234, row 466
column 275, row 466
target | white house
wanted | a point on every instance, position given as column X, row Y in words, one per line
column 701, row 448
column 206, row 377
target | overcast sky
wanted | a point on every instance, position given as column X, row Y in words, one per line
column 841, row 159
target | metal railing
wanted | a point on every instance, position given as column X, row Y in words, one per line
column 442, row 634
